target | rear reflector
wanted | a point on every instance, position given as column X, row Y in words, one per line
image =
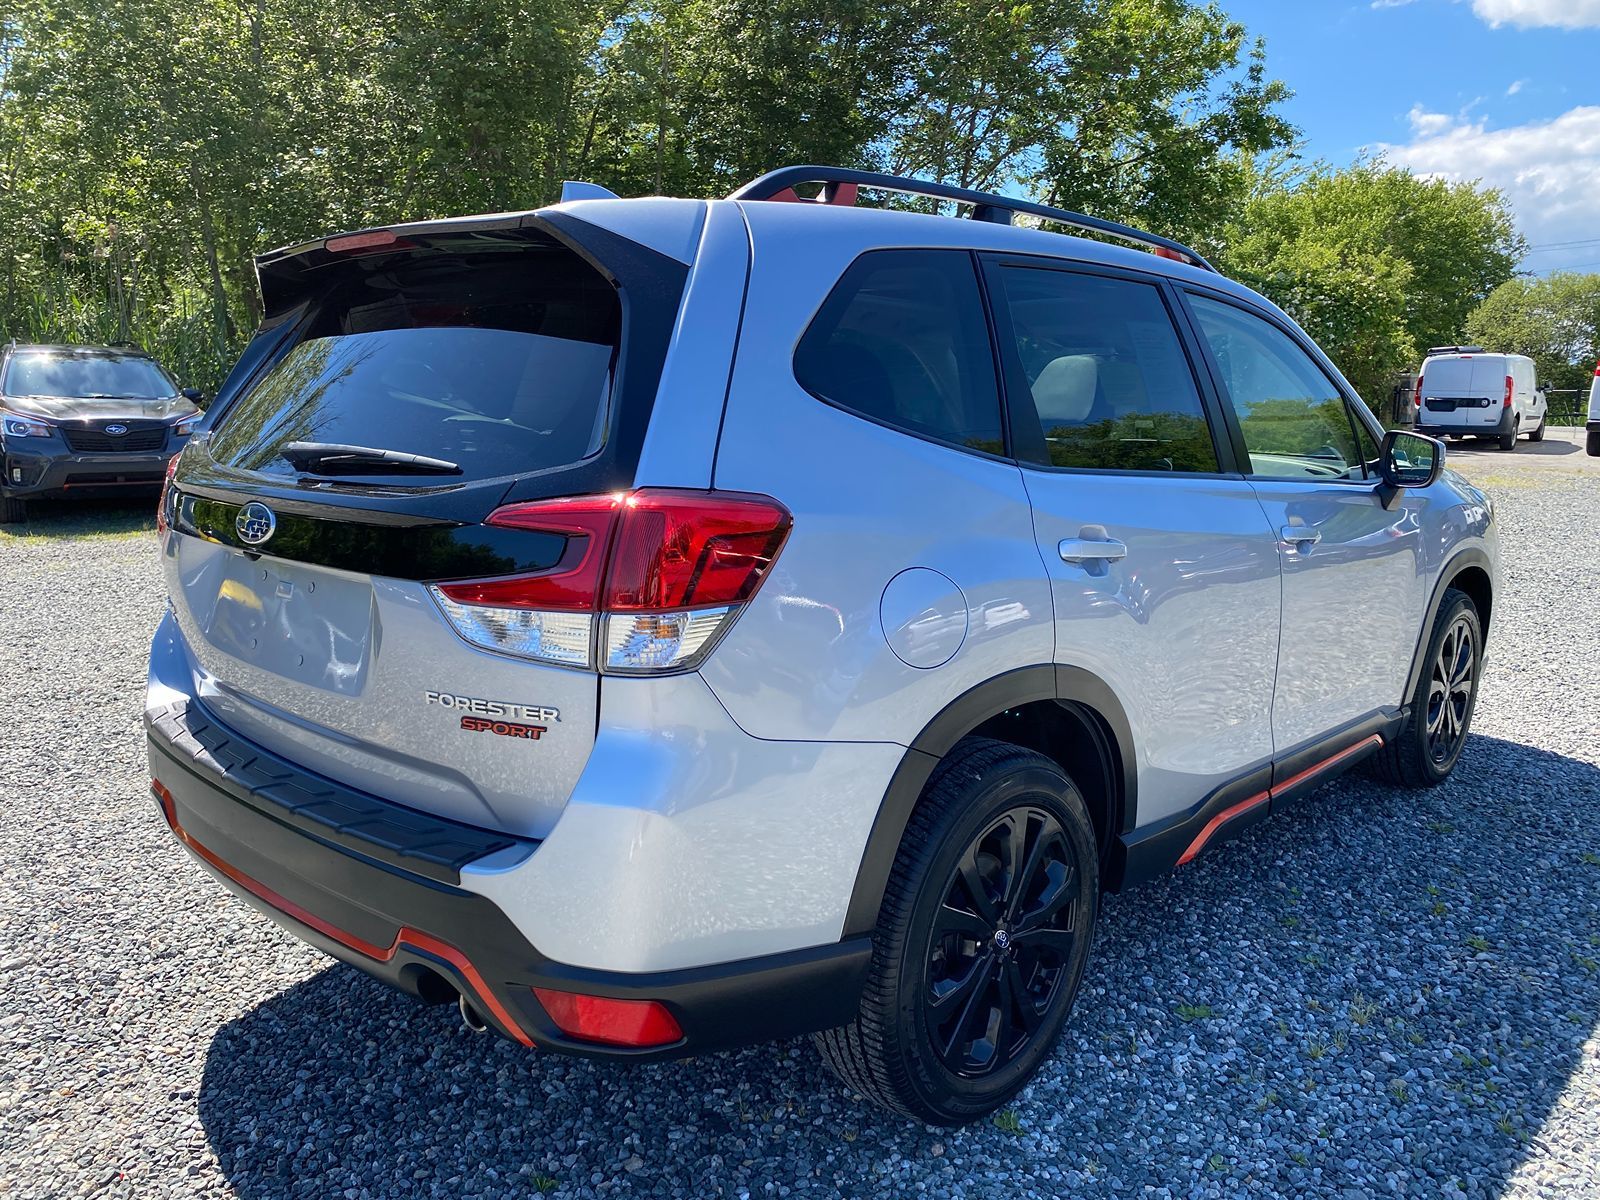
column 663, row 571
column 610, row 1022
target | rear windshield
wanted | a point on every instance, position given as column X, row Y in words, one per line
column 497, row 360
column 87, row 376
column 1453, row 377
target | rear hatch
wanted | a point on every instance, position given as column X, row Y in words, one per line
column 406, row 385
column 1463, row 390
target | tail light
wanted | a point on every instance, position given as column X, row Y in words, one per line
column 165, row 502
column 1510, row 387
column 1417, row 396
column 648, row 581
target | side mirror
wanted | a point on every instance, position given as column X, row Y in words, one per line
column 195, row 396
column 1410, row 460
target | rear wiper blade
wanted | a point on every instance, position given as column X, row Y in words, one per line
column 331, row 458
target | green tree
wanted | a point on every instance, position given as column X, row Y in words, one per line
column 1554, row 320
column 1376, row 263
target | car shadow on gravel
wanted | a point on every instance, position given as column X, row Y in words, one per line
column 1380, row 991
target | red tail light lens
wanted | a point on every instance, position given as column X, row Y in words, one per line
column 678, row 550
column 1511, row 385
column 573, row 584
column 610, row 1022
column 166, row 494
column 667, row 571
column 1418, row 394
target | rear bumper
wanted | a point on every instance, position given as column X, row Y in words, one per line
column 57, row 473
column 376, row 885
column 1435, row 424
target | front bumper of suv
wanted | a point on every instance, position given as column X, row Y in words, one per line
column 46, row 469
column 376, row 885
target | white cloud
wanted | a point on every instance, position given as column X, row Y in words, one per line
column 1548, row 170
column 1516, row 86
column 1427, row 124
column 1528, row 14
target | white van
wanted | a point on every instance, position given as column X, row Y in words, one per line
column 1461, row 391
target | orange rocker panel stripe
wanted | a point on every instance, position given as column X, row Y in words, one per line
column 414, row 938
column 1260, row 798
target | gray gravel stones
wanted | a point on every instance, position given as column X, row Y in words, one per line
column 1378, row 993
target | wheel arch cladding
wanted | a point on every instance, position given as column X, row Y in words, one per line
column 1467, row 571
column 1065, row 713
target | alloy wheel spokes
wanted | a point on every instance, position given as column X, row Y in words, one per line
column 1002, row 939
column 1450, row 687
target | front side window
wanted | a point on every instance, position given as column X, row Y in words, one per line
column 1107, row 374
column 1296, row 424
column 902, row 339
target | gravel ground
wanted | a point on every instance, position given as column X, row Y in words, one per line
column 1378, row 993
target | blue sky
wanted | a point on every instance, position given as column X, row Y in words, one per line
column 1507, row 91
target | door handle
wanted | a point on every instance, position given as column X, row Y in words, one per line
column 1092, row 544
column 1300, row 535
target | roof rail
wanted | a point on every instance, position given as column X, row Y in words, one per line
column 1455, row 349
column 840, row 184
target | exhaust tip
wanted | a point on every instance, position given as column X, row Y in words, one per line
column 470, row 1016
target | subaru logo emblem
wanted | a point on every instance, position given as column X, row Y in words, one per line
column 255, row 523
column 116, row 430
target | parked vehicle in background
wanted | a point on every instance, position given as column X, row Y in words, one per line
column 82, row 421
column 662, row 625
column 1592, row 426
column 1463, row 392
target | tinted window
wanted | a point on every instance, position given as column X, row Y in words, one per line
column 1108, row 376
column 87, row 375
column 1295, row 422
column 902, row 339
column 500, row 363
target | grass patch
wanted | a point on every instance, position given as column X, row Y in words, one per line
column 1193, row 1012
column 543, row 1183
column 1007, row 1121
column 1478, row 942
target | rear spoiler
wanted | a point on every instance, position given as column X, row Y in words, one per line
column 283, row 274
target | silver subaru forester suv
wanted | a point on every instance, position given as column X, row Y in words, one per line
column 664, row 625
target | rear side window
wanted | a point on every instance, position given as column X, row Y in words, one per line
column 902, row 339
column 499, row 361
column 1106, row 371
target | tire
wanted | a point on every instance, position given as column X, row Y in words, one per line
column 1429, row 743
column 938, row 944
column 12, row 510
column 1508, row 440
column 1538, row 434
column 1591, row 444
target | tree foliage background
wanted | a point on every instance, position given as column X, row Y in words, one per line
column 1555, row 321
column 150, row 148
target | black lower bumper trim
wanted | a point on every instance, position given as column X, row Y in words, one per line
column 419, row 933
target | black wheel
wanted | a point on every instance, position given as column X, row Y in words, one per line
column 1427, row 746
column 12, row 510
column 981, row 941
column 1508, row 440
column 1538, row 434
column 1591, row 444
